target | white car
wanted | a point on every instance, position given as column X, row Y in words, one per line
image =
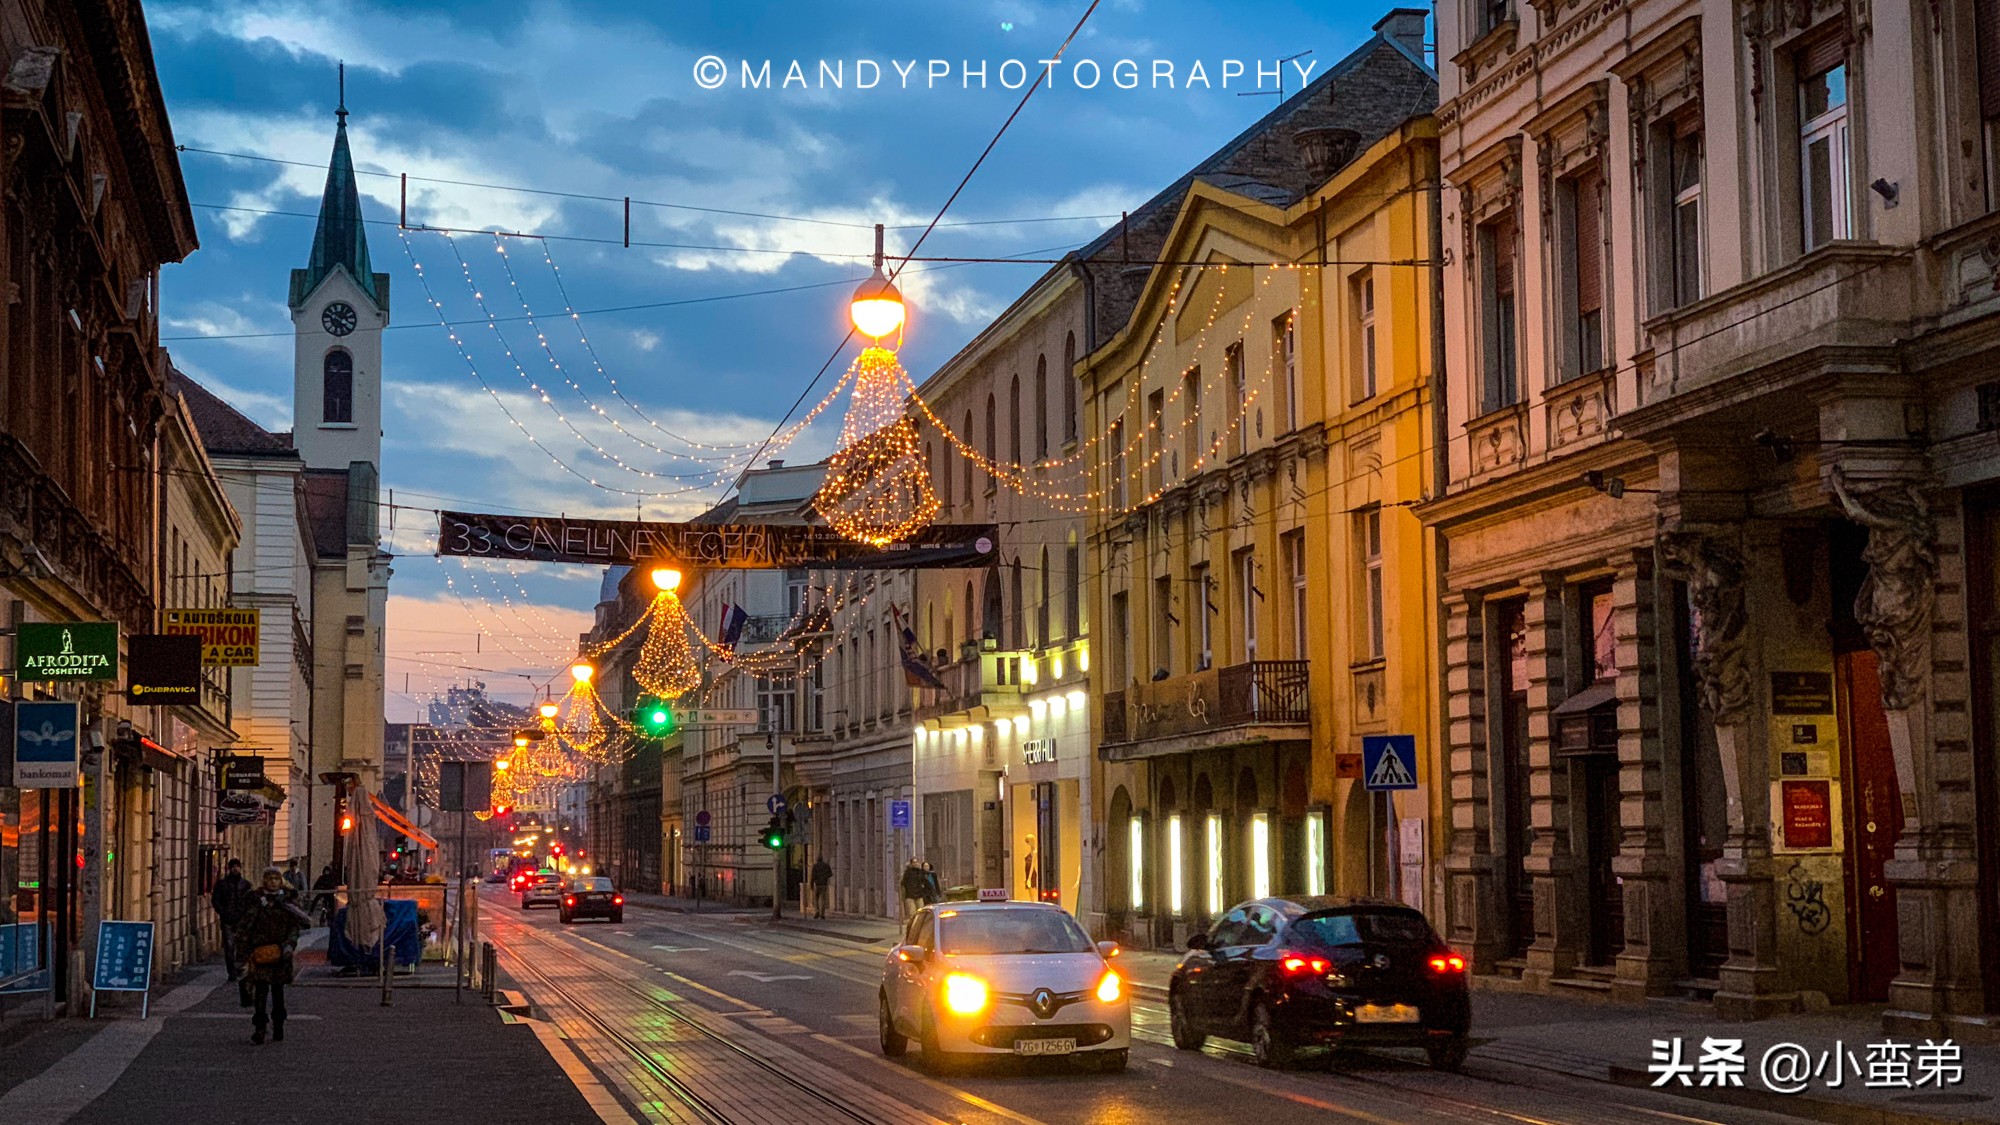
column 1003, row 978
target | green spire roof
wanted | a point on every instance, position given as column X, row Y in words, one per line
column 340, row 239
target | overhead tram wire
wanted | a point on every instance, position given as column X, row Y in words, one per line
column 1040, row 77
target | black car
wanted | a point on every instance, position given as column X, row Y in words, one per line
column 591, row 896
column 1288, row 973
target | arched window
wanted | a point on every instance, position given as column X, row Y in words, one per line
column 992, row 442
column 1014, row 421
column 968, row 618
column 1017, row 620
column 1072, row 589
column 337, row 387
column 1042, row 601
column 1041, row 407
column 1069, row 387
column 967, row 441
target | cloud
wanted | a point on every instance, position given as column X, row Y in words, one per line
column 645, row 339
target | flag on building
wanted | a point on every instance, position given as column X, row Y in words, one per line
column 733, row 620
column 916, row 672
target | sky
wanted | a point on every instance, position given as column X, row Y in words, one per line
column 710, row 333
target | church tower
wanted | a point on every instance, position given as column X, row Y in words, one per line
column 339, row 307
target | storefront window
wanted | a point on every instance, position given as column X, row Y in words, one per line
column 1136, row 849
column 1212, row 854
column 1176, row 867
column 1315, row 854
column 1260, row 855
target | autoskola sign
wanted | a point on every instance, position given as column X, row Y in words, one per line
column 228, row 636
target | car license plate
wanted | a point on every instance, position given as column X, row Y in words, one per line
column 1045, row 1046
column 1385, row 1013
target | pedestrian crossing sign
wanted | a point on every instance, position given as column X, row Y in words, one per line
column 1389, row 762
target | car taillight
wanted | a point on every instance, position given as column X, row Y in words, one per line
column 1448, row 963
column 569, row 900
column 1295, row 964
column 617, row 900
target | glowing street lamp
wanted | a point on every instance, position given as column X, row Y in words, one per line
column 549, row 708
column 667, row 579
column 581, row 672
column 877, row 309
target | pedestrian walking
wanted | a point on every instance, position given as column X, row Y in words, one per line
column 914, row 885
column 322, row 899
column 933, row 892
column 269, row 934
column 230, row 898
column 822, row 877
column 294, row 878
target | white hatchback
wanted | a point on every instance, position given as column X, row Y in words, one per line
column 1003, row 978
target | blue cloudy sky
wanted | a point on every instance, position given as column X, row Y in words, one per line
column 598, row 98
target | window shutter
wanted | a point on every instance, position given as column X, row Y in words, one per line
column 1825, row 52
column 1589, row 244
column 1986, row 22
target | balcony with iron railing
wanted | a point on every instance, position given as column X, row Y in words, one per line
column 1258, row 701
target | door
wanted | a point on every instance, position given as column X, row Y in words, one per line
column 1607, row 898
column 1874, row 821
column 1516, row 835
column 1045, row 865
column 1208, row 969
column 1982, row 569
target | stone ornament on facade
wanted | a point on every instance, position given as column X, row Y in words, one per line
column 1900, row 592
column 1711, row 563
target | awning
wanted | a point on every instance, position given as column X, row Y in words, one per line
column 397, row 821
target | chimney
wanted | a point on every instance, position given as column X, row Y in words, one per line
column 1405, row 26
column 775, row 463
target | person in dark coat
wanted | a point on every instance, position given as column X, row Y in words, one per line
column 822, row 876
column 322, row 899
column 933, row 892
column 913, row 887
column 230, row 898
column 268, row 935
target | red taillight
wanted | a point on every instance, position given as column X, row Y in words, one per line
column 617, row 900
column 570, row 900
column 1448, row 963
column 1295, row 964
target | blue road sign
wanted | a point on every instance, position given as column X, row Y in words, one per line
column 899, row 815
column 701, row 833
column 45, row 745
column 776, row 803
column 1389, row 762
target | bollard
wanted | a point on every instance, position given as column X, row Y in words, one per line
column 386, row 959
column 489, row 965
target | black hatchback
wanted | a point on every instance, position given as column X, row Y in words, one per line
column 1288, row 973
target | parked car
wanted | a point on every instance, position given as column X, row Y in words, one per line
column 1287, row 973
column 1003, row 978
column 591, row 896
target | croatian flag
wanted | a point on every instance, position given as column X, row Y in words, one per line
column 733, row 619
column 916, row 673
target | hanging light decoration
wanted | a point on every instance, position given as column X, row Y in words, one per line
column 581, row 728
column 666, row 664
column 877, row 487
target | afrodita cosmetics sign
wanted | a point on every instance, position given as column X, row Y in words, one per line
column 67, row 650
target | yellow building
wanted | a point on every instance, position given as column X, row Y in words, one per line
column 1261, row 429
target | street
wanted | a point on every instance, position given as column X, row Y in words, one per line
column 726, row 1018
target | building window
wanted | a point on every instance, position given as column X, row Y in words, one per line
column 968, row 461
column 337, row 387
column 1042, row 636
column 992, row 446
column 1014, row 421
column 1581, row 233
column 1247, row 597
column 1684, row 225
column 1017, row 619
column 1371, row 593
column 777, row 698
column 1285, row 347
column 1363, row 303
column 1176, row 867
column 1117, row 482
column 1239, row 400
column 1824, row 174
column 947, row 498
column 1500, row 385
column 1191, row 447
column 1163, row 627
column 1072, row 590
column 1295, row 566
column 1600, row 640
column 1121, row 640
column 1156, row 408
column 1069, row 387
column 1493, row 13
column 1211, row 854
column 1204, row 612
column 1041, row 408
column 1135, row 852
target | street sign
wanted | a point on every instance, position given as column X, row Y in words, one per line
column 899, row 815
column 124, row 961
column 45, row 745
column 53, row 651
column 162, row 670
column 702, row 818
column 706, row 546
column 1347, row 767
column 1389, row 762
column 701, row 833
column 776, row 803
column 229, row 637
column 717, row 717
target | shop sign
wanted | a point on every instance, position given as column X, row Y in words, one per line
column 1038, row 751
column 1801, row 693
column 50, row 651
column 163, row 670
column 46, row 745
column 229, row 637
column 1808, row 813
column 243, row 774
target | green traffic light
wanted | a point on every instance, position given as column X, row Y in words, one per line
column 655, row 718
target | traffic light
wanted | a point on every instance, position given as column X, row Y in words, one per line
column 774, row 834
column 346, row 823
column 558, row 849
column 654, row 717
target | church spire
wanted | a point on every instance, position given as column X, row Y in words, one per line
column 340, row 239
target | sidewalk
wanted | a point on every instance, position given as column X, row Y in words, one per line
column 344, row 1054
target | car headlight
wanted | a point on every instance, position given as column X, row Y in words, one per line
column 1108, row 989
column 964, row 994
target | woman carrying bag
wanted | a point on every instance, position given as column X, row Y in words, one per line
column 267, row 934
